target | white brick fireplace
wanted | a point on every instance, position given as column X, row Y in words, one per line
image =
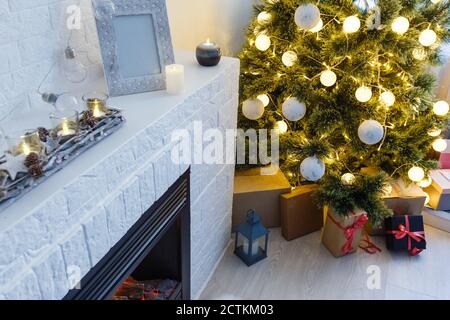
column 77, row 215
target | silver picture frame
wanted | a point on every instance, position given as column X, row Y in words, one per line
column 135, row 44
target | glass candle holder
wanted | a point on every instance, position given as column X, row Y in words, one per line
column 65, row 124
column 96, row 102
column 24, row 142
column 208, row 54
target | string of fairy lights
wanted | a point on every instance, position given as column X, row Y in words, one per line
column 308, row 18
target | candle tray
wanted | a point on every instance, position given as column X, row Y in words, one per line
column 59, row 152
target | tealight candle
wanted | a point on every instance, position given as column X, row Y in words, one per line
column 65, row 129
column 208, row 54
column 175, row 78
column 28, row 143
column 65, row 124
column 96, row 102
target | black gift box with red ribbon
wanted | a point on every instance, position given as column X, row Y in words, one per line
column 405, row 233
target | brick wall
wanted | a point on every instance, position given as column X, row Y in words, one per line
column 79, row 224
column 33, row 36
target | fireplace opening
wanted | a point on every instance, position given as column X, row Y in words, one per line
column 152, row 261
column 158, row 276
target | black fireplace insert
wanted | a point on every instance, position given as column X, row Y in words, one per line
column 152, row 261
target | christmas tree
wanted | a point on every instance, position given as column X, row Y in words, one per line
column 346, row 85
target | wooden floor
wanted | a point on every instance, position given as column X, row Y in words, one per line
column 304, row 269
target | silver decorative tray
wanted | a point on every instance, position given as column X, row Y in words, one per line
column 59, row 153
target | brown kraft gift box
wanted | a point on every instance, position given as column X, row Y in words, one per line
column 439, row 191
column 252, row 190
column 333, row 237
column 300, row 215
column 404, row 200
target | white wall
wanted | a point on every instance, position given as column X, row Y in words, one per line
column 223, row 21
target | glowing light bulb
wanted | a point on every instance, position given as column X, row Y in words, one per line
column 264, row 17
column 416, row 174
column 440, row 145
column 281, row 127
column 435, row 132
column 328, row 78
column 352, row 24
column 441, row 108
column 400, row 25
column 427, row 38
column 363, row 94
column 348, row 179
column 262, row 42
column 419, row 54
column 289, row 58
column 435, row 1
column 387, row 98
column 318, row 27
column 264, row 98
column 425, row 183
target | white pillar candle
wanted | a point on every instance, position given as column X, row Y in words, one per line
column 255, row 247
column 175, row 78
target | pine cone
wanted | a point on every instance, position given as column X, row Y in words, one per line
column 36, row 171
column 43, row 134
column 88, row 119
column 31, row 160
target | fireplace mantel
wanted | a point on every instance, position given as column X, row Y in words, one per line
column 61, row 229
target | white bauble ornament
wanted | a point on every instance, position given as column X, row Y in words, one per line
column 416, row 174
column 363, row 94
column 427, row 38
column 253, row 109
column 293, row 110
column 318, row 27
column 264, row 99
column 440, row 145
column 400, row 25
column 352, row 24
column 387, row 98
column 419, row 54
column 262, row 42
column 281, row 127
column 312, row 169
column 370, row 132
column 435, row 1
column 307, row 16
column 289, row 58
column 348, row 179
column 264, row 17
column 441, row 108
column 328, row 78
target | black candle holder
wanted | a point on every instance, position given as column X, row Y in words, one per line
column 208, row 54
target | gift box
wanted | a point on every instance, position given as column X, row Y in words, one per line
column 444, row 160
column 405, row 233
column 254, row 190
column 439, row 191
column 300, row 215
column 437, row 219
column 342, row 235
column 403, row 200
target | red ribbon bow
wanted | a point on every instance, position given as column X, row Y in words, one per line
column 403, row 231
column 349, row 232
